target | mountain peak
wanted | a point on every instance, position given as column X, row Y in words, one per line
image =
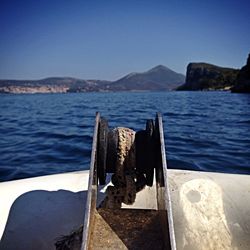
column 159, row 68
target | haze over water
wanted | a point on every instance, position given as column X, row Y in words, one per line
column 52, row 133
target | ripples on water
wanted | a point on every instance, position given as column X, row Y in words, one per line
column 51, row 133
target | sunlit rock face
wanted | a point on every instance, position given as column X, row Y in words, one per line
column 33, row 90
column 51, row 85
column 243, row 79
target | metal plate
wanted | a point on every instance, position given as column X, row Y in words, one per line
column 92, row 191
column 162, row 186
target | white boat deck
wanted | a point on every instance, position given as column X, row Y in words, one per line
column 37, row 210
column 210, row 210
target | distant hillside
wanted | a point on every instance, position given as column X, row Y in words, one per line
column 50, row 85
column 156, row 79
column 204, row 76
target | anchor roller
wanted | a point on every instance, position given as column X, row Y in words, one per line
column 134, row 159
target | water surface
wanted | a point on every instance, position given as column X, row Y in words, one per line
column 52, row 133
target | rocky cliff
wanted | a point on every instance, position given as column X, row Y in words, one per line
column 204, row 76
column 243, row 80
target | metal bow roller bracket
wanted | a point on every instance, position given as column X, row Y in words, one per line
column 133, row 160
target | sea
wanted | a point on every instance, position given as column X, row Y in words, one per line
column 42, row 134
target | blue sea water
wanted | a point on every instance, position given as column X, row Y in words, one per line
column 44, row 134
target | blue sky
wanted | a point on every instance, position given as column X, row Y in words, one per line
column 108, row 39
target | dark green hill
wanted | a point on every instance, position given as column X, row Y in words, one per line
column 204, row 76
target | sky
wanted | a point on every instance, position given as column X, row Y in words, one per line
column 107, row 39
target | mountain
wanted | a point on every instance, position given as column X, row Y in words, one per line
column 243, row 80
column 159, row 78
column 204, row 76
